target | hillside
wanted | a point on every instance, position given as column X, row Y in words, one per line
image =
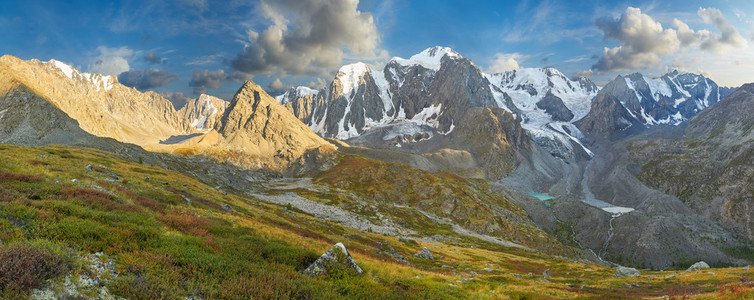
column 721, row 187
column 153, row 233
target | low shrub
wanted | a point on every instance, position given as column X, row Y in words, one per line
column 186, row 222
column 26, row 266
column 97, row 198
column 148, row 203
column 8, row 176
column 35, row 162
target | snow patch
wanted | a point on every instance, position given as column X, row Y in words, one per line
column 199, row 123
column 452, row 126
column 384, row 88
column 657, row 87
column 630, row 85
column 617, row 210
column 204, row 105
column 679, row 101
column 429, row 116
column 66, row 69
column 707, row 92
column 97, row 81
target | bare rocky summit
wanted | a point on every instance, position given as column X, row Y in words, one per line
column 259, row 126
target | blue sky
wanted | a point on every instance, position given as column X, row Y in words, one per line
column 195, row 46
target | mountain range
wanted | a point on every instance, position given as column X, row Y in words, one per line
column 650, row 172
column 427, row 94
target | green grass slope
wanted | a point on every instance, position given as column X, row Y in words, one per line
column 169, row 236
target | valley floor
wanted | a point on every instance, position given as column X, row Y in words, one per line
column 77, row 222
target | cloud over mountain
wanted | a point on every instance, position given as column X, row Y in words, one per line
column 205, row 79
column 589, row 74
column 729, row 36
column 146, row 79
column 152, row 58
column 642, row 41
column 505, row 62
column 306, row 37
column 111, row 61
column 178, row 99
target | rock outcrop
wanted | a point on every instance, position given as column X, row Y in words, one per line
column 698, row 266
column 554, row 107
column 622, row 271
column 493, row 137
column 203, row 113
column 335, row 262
column 424, row 254
column 262, row 130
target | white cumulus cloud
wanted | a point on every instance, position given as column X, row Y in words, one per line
column 505, row 62
column 111, row 61
column 307, row 36
column 729, row 36
column 643, row 42
column 641, row 39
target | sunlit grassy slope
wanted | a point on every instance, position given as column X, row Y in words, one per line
column 165, row 247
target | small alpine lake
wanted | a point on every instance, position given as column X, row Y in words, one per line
column 543, row 197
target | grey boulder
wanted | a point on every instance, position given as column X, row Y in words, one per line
column 335, row 260
column 621, row 271
column 425, row 254
column 698, row 266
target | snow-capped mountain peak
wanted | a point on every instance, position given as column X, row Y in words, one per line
column 548, row 102
column 295, row 93
column 350, row 76
column 430, row 58
column 527, row 86
column 97, row 81
column 669, row 99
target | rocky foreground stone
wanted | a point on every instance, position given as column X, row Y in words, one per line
column 698, row 266
column 621, row 271
column 336, row 261
column 425, row 254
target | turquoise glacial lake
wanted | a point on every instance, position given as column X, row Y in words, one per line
column 543, row 197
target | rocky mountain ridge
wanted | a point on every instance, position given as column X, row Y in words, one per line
column 427, row 94
column 654, row 102
column 720, row 187
column 103, row 107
